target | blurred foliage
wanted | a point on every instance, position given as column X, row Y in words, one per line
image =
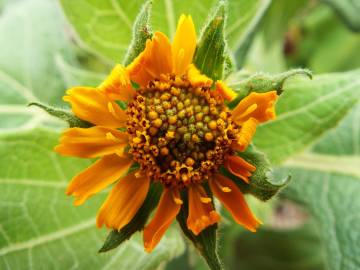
column 295, row 249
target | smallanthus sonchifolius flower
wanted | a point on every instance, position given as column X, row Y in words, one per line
column 179, row 130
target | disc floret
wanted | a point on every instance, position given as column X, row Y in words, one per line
column 179, row 134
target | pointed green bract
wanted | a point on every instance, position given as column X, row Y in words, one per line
column 205, row 242
column 64, row 115
column 115, row 238
column 141, row 32
column 230, row 64
column 210, row 54
column 263, row 184
column 262, row 83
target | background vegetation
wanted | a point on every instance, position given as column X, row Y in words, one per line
column 48, row 46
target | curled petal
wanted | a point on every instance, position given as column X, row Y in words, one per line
column 166, row 212
column 184, row 45
column 117, row 85
column 98, row 176
column 234, row 201
column 196, row 78
column 239, row 167
column 201, row 211
column 123, row 202
column 226, row 92
column 94, row 106
column 91, row 142
column 154, row 61
column 259, row 106
column 247, row 132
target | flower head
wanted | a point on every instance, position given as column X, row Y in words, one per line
column 179, row 130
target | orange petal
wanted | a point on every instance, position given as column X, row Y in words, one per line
column 201, row 211
column 184, row 45
column 94, row 106
column 196, row 78
column 166, row 212
column 154, row 61
column 98, row 176
column 256, row 105
column 225, row 91
column 239, row 167
column 245, row 135
column 234, row 202
column 123, row 202
column 247, row 132
column 91, row 142
column 117, row 85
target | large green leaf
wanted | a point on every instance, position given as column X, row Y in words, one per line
column 41, row 229
column 105, row 26
column 75, row 76
column 305, row 111
column 27, row 61
column 345, row 140
column 326, row 181
column 333, row 200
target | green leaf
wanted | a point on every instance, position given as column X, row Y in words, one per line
column 305, row 111
column 344, row 140
column 41, row 229
column 25, row 75
column 210, row 56
column 105, row 26
column 205, row 242
column 115, row 238
column 66, row 116
column 327, row 183
column 75, row 76
column 263, row 184
column 348, row 10
column 28, row 72
column 332, row 199
column 141, row 32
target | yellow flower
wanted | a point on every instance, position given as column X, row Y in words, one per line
column 176, row 127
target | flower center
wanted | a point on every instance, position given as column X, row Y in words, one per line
column 179, row 133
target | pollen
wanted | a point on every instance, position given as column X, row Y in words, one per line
column 188, row 126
